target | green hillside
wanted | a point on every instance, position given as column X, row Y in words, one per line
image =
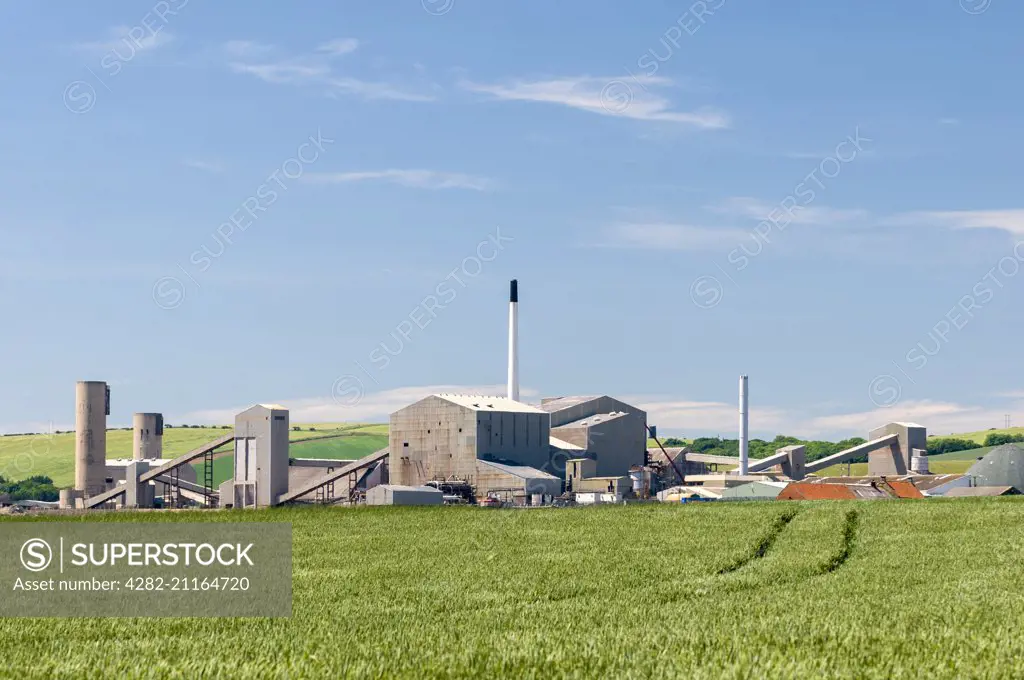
column 23, row 456
column 979, row 436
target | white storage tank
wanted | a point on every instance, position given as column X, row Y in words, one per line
column 919, row 462
column 148, row 443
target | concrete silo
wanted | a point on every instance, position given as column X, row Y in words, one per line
column 148, row 443
column 92, row 406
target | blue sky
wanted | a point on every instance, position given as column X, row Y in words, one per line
column 215, row 204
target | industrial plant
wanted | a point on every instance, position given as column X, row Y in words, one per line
column 485, row 450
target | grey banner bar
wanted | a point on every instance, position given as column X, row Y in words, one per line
column 148, row 569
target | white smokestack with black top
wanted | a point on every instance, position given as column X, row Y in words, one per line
column 743, row 424
column 513, row 341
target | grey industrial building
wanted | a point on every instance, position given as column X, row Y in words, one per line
column 261, row 455
column 449, row 435
column 507, row 448
column 392, row 494
column 610, row 431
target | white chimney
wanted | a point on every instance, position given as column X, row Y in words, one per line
column 743, row 425
column 513, row 341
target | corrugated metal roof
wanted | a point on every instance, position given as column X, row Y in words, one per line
column 675, row 493
column 1002, row 466
column 927, row 483
column 594, row 420
column 964, row 491
column 559, row 403
column 921, row 482
column 808, row 491
column 904, row 488
column 521, row 471
column 482, row 403
column 766, row 490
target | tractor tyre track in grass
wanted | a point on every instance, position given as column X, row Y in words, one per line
column 763, row 546
column 849, row 537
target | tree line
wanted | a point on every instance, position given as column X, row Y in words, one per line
column 38, row 488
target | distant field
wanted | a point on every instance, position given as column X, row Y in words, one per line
column 971, row 455
column 877, row 589
column 979, row 436
column 54, row 455
column 939, row 467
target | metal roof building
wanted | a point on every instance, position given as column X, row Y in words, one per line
column 448, row 435
column 1002, row 466
column 981, row 491
column 677, row 493
column 612, row 432
column 394, row 494
column 928, row 485
column 807, row 491
column 494, row 476
column 755, row 491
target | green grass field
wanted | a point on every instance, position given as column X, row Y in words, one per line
column 877, row 589
column 54, row 455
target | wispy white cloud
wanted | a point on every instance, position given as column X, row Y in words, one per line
column 339, row 47
column 636, row 99
column 752, row 208
column 372, row 407
column 283, row 71
column 665, row 236
column 206, row 166
column 375, row 90
column 949, row 121
column 419, row 179
column 707, row 417
column 939, row 417
column 671, row 413
column 316, row 69
column 818, row 156
column 805, row 155
column 1010, row 221
column 247, row 48
column 696, row 417
column 123, row 41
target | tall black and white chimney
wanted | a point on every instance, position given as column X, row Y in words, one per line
column 744, row 407
column 513, row 341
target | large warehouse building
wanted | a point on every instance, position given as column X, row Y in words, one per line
column 446, row 435
column 508, row 448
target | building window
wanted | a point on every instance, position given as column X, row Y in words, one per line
column 405, row 444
